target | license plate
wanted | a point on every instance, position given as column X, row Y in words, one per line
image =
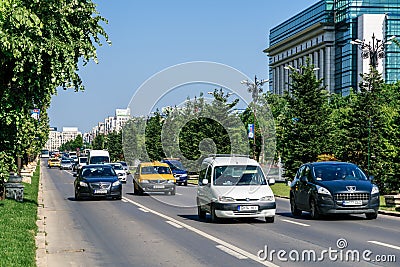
column 100, row 191
column 247, row 208
column 158, row 186
column 352, row 202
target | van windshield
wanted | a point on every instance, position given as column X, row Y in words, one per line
column 99, row 159
column 238, row 175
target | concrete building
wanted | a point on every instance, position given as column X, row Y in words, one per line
column 56, row 139
column 323, row 33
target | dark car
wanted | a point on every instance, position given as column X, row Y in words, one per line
column 97, row 181
column 333, row 188
column 179, row 172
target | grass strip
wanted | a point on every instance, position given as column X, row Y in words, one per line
column 18, row 227
column 281, row 189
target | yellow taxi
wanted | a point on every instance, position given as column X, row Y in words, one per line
column 53, row 162
column 154, row 177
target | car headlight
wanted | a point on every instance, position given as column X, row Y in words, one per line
column 184, row 175
column 83, row 184
column 375, row 190
column 144, row 181
column 225, row 199
column 267, row 198
column 116, row 183
column 323, row 190
column 171, row 181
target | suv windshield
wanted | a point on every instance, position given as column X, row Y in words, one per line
column 238, row 175
column 331, row 172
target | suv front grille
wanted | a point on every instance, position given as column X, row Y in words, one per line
column 352, row 196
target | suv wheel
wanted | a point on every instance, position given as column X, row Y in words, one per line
column 371, row 216
column 293, row 208
column 314, row 210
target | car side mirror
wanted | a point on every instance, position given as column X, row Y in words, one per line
column 371, row 177
column 204, row 181
column 271, row 181
column 303, row 179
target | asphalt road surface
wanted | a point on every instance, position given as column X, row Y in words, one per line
column 164, row 230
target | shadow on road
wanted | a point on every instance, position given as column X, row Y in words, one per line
column 337, row 217
column 193, row 217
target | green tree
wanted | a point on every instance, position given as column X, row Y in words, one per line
column 306, row 126
column 114, row 146
column 41, row 45
column 99, row 142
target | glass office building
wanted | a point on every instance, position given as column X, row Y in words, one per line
column 323, row 33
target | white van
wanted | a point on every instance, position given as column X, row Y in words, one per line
column 234, row 186
column 98, row 157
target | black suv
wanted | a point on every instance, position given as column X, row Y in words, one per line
column 333, row 188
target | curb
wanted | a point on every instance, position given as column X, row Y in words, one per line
column 40, row 239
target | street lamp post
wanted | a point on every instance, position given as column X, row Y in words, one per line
column 255, row 88
column 372, row 51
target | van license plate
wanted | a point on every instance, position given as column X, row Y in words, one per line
column 247, row 208
column 352, row 202
column 100, row 191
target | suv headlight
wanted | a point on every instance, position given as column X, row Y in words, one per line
column 375, row 190
column 116, row 183
column 267, row 198
column 83, row 184
column 323, row 190
column 225, row 199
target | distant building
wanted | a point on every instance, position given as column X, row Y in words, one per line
column 110, row 124
column 57, row 139
column 323, row 33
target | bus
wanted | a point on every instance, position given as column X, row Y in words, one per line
column 45, row 153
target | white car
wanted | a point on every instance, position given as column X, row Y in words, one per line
column 234, row 187
column 119, row 169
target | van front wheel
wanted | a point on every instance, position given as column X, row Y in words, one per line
column 214, row 217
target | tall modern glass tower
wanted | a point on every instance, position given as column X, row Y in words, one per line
column 323, row 33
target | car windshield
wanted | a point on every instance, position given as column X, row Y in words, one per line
column 331, row 172
column 175, row 165
column 65, row 161
column 95, row 172
column 238, row 175
column 99, row 159
column 117, row 167
column 155, row 169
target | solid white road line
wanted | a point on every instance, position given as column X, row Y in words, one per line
column 205, row 235
column 178, row 194
column 232, row 252
column 174, row 224
column 293, row 222
column 384, row 244
column 123, row 200
column 142, row 209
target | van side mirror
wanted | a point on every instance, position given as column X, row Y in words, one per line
column 204, row 181
column 271, row 181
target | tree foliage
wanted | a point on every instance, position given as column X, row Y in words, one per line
column 41, row 45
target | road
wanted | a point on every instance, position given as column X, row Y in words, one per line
column 164, row 230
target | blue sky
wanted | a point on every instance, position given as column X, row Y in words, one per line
column 149, row 36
